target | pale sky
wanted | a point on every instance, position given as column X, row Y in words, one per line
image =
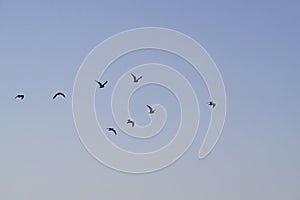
column 256, row 48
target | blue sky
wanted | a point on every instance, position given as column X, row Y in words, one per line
column 255, row 45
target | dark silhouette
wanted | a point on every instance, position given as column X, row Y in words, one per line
column 130, row 122
column 212, row 104
column 20, row 96
column 59, row 94
column 113, row 130
column 101, row 85
column 151, row 110
column 135, row 80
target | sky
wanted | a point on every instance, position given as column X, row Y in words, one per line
column 255, row 45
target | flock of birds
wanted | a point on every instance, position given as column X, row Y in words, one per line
column 101, row 86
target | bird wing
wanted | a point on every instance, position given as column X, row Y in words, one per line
column 105, row 83
column 98, row 82
column 19, row 96
column 59, row 93
column 113, row 130
column 62, row 94
column 139, row 78
column 134, row 77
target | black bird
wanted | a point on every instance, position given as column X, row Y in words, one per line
column 100, row 84
column 135, row 80
column 212, row 104
column 151, row 110
column 113, row 130
column 20, row 96
column 130, row 122
column 59, row 94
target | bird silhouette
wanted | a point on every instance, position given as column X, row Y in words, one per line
column 59, row 94
column 100, row 84
column 112, row 130
column 135, row 80
column 130, row 122
column 151, row 110
column 212, row 104
column 20, row 96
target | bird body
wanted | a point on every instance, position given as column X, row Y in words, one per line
column 135, row 79
column 130, row 122
column 20, row 96
column 151, row 110
column 112, row 130
column 101, row 85
column 59, row 94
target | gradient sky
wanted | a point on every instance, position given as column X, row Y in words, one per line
column 255, row 45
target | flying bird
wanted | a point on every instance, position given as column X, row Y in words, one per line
column 20, row 96
column 135, row 80
column 59, row 94
column 112, row 130
column 100, row 84
column 130, row 122
column 151, row 110
column 212, row 104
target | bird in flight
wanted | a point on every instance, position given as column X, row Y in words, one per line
column 112, row 130
column 100, row 84
column 20, row 96
column 135, row 80
column 212, row 104
column 151, row 110
column 130, row 122
column 59, row 94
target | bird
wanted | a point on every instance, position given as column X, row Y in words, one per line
column 100, row 84
column 135, row 80
column 113, row 130
column 59, row 94
column 130, row 122
column 20, row 96
column 212, row 104
column 151, row 110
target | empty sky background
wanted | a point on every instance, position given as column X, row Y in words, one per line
column 255, row 45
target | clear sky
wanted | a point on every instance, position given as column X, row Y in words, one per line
column 255, row 45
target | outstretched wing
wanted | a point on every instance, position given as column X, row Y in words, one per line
column 105, row 83
column 98, row 82
column 21, row 96
column 133, row 76
column 139, row 78
column 59, row 93
column 113, row 130
column 130, row 122
column 150, row 108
